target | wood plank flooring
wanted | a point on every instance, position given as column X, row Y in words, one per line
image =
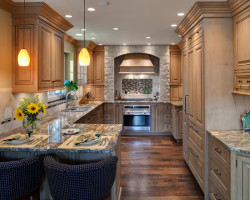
column 153, row 168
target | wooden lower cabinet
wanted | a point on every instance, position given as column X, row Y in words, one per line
column 94, row 117
column 109, row 113
column 163, row 118
column 176, row 122
column 97, row 92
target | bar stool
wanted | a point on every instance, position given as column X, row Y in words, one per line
column 21, row 179
column 91, row 181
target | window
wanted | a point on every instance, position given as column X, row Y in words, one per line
column 56, row 95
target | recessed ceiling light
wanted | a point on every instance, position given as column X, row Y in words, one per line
column 91, row 9
column 173, row 43
column 124, row 44
column 149, row 44
column 116, row 29
column 100, row 43
column 179, row 35
column 93, row 38
column 78, row 34
column 68, row 16
column 174, row 25
column 83, row 29
column 148, row 37
column 180, row 14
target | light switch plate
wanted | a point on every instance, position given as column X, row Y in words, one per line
column 8, row 113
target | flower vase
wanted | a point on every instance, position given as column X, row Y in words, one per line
column 30, row 124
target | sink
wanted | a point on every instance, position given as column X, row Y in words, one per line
column 77, row 109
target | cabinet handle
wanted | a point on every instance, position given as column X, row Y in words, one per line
column 217, row 197
column 248, row 81
column 196, row 156
column 53, row 81
column 217, row 172
column 217, row 151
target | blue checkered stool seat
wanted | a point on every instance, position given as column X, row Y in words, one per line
column 21, row 178
column 92, row 181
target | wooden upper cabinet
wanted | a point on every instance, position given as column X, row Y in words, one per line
column 58, row 63
column 99, row 67
column 90, row 69
column 44, row 40
column 45, row 35
column 175, row 65
column 241, row 28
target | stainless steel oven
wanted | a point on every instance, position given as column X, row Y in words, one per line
column 136, row 118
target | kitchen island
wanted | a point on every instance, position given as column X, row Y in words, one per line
column 50, row 139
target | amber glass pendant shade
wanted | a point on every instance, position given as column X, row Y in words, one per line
column 23, row 58
column 84, row 57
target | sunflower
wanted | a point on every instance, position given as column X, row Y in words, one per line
column 19, row 115
column 32, row 108
column 44, row 109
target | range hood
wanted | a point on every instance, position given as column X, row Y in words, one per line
column 137, row 63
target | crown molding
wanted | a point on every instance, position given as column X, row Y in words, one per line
column 201, row 10
column 42, row 11
column 238, row 6
column 89, row 44
column 174, row 48
column 69, row 39
column 7, row 5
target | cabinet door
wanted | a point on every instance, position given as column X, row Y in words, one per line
column 185, row 84
column 90, row 69
column 185, row 139
column 243, row 178
column 45, row 37
column 99, row 93
column 174, row 93
column 180, row 93
column 99, row 67
column 191, row 85
column 198, row 98
column 242, row 39
column 180, row 124
column 175, row 67
column 58, row 62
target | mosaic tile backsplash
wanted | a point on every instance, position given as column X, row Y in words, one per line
column 137, row 86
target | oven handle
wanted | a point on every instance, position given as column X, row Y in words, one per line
column 186, row 103
column 136, row 114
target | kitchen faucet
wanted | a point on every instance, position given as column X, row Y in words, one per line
column 71, row 92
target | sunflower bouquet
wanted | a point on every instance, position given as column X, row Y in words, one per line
column 28, row 112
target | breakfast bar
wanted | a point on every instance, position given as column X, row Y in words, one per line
column 49, row 139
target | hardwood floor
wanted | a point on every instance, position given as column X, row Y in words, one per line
column 153, row 168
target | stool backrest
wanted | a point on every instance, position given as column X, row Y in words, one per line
column 77, row 182
column 21, row 177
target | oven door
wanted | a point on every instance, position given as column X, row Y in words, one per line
column 136, row 122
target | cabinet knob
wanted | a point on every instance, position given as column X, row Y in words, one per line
column 217, row 197
column 53, row 81
column 217, row 151
column 216, row 171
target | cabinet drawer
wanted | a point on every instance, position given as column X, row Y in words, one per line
column 196, row 163
column 108, row 117
column 220, row 174
column 196, row 137
column 215, row 192
column 242, row 81
column 219, row 152
column 165, row 108
column 165, row 118
column 108, row 108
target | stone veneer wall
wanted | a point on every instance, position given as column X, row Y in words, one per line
column 162, row 52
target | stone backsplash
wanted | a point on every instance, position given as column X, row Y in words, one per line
column 160, row 81
column 137, row 86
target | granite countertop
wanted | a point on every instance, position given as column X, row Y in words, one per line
column 52, row 127
column 174, row 103
column 235, row 140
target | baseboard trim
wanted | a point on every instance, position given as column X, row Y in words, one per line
column 134, row 133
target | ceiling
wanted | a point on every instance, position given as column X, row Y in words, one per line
column 135, row 19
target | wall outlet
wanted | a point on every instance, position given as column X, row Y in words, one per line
column 8, row 113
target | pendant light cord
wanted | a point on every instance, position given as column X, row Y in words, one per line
column 23, row 23
column 84, row 23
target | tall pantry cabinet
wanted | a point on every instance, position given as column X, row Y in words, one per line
column 207, row 60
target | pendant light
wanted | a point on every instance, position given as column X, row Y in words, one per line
column 84, row 57
column 23, row 55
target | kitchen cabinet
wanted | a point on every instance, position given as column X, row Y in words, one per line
column 163, row 118
column 241, row 32
column 109, row 114
column 204, row 38
column 44, row 40
column 99, row 65
column 176, row 92
column 175, row 65
column 90, row 69
column 94, row 117
column 176, row 122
